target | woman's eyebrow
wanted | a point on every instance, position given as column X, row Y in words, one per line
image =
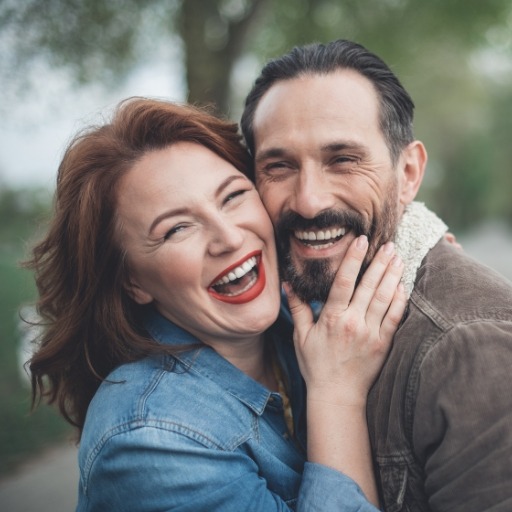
column 165, row 215
column 183, row 210
column 227, row 182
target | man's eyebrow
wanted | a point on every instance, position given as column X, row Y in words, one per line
column 270, row 153
column 332, row 147
column 180, row 211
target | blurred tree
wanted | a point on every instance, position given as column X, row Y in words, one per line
column 26, row 210
column 22, row 435
column 214, row 35
column 101, row 40
column 499, row 169
column 431, row 45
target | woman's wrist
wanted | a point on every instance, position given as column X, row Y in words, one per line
column 338, row 438
column 336, row 395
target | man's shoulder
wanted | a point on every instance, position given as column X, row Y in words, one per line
column 454, row 283
column 454, row 297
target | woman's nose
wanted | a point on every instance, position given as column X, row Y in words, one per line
column 227, row 236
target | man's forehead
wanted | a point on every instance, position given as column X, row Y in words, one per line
column 316, row 109
column 316, row 95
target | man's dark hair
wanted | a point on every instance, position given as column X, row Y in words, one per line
column 396, row 106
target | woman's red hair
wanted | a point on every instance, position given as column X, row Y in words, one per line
column 90, row 322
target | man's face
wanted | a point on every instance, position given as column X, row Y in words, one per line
column 325, row 175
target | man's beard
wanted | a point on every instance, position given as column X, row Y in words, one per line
column 313, row 281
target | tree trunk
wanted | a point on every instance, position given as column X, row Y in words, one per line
column 212, row 44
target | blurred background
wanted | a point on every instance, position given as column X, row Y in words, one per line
column 65, row 63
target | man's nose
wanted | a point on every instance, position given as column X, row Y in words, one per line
column 313, row 193
column 226, row 236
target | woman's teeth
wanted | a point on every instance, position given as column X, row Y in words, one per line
column 241, row 284
column 238, row 272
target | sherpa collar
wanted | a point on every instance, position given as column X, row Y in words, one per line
column 418, row 231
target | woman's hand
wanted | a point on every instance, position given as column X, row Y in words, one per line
column 451, row 239
column 342, row 353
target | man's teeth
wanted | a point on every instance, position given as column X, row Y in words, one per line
column 326, row 234
column 237, row 272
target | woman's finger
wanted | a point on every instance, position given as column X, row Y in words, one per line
column 394, row 315
column 371, row 280
column 344, row 283
column 301, row 313
column 385, row 292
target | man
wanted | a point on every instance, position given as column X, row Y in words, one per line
column 330, row 129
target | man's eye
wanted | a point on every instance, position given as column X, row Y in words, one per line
column 343, row 159
column 276, row 171
column 276, row 166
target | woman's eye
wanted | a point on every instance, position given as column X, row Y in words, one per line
column 173, row 231
column 233, row 195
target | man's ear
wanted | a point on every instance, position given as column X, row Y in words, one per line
column 139, row 295
column 412, row 169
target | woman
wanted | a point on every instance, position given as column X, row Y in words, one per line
column 160, row 293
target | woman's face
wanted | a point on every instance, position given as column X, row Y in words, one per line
column 199, row 243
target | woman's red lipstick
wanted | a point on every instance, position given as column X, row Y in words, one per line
column 247, row 295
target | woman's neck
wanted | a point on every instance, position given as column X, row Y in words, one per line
column 251, row 357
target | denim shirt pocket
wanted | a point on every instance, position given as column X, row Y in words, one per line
column 393, row 476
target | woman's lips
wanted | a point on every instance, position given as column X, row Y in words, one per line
column 254, row 278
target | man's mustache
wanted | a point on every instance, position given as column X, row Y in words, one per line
column 292, row 221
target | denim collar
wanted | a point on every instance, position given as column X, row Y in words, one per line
column 208, row 362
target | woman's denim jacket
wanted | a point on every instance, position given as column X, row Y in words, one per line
column 440, row 414
column 194, row 433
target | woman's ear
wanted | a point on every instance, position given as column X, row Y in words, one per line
column 412, row 169
column 138, row 294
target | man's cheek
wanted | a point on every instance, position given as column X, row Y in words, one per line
column 290, row 259
column 272, row 200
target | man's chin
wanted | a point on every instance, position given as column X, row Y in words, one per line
column 312, row 281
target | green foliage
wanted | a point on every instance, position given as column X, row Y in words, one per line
column 396, row 29
column 25, row 210
column 22, row 434
column 462, row 114
column 499, row 169
column 472, row 173
column 214, row 33
column 94, row 39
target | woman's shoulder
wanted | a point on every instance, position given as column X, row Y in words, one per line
column 161, row 393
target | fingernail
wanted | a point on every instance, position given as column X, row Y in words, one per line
column 388, row 248
column 397, row 261
column 362, row 242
